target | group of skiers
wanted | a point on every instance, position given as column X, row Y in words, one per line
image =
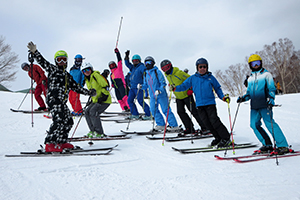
column 145, row 76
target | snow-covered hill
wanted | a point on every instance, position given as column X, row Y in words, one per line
column 140, row 168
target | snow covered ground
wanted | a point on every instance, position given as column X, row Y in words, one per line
column 140, row 168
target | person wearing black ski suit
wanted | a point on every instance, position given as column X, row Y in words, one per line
column 60, row 82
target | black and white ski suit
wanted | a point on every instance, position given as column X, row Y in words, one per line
column 60, row 82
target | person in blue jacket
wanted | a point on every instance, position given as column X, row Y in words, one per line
column 156, row 83
column 203, row 83
column 78, row 76
column 137, row 70
column 261, row 91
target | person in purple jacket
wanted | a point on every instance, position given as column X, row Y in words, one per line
column 203, row 83
column 118, row 81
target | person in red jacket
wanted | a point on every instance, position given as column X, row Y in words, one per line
column 38, row 75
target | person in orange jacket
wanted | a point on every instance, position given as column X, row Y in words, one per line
column 38, row 75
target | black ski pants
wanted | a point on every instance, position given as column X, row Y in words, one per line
column 209, row 116
column 191, row 106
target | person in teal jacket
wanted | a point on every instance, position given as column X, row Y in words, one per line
column 203, row 83
column 155, row 82
column 185, row 98
column 261, row 91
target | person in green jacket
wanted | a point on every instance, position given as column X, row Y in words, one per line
column 176, row 77
column 99, row 103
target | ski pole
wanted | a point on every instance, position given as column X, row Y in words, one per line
column 191, row 110
column 31, row 59
column 88, row 102
column 231, row 130
column 273, row 135
column 119, row 32
column 163, row 142
column 24, row 99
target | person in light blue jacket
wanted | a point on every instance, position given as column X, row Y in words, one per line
column 155, row 82
column 203, row 83
column 261, row 91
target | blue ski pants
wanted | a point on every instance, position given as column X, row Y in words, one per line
column 255, row 123
column 133, row 93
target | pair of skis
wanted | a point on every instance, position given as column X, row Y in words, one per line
column 213, row 149
column 109, row 137
column 257, row 157
column 71, row 152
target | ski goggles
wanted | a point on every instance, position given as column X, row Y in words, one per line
column 86, row 70
column 149, row 62
column 254, row 63
column 166, row 67
column 61, row 59
column 112, row 66
column 78, row 59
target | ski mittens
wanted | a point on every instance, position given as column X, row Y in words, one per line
column 31, row 47
column 226, row 98
column 92, row 92
column 190, row 92
column 127, row 55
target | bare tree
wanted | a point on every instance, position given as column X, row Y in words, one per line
column 233, row 79
column 282, row 61
column 8, row 62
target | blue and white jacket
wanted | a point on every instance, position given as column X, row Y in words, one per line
column 260, row 89
column 155, row 80
column 203, row 86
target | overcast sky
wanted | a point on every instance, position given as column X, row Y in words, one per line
column 224, row 31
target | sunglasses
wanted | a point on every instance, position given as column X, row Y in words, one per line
column 78, row 59
column 254, row 63
column 86, row 70
column 61, row 59
column 202, row 66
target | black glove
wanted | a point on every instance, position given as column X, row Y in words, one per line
column 240, row 100
column 102, row 98
column 226, row 98
column 116, row 50
column 93, row 92
column 127, row 55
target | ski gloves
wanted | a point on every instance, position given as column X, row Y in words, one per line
column 127, row 55
column 31, row 47
column 172, row 88
column 240, row 99
column 92, row 92
column 271, row 103
column 226, row 98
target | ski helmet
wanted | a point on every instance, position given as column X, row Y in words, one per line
column 24, row 65
column 253, row 61
column 201, row 61
column 186, row 70
column 60, row 53
column 166, row 66
column 149, row 62
column 87, row 66
column 105, row 73
column 78, row 56
column 112, row 65
column 136, row 57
